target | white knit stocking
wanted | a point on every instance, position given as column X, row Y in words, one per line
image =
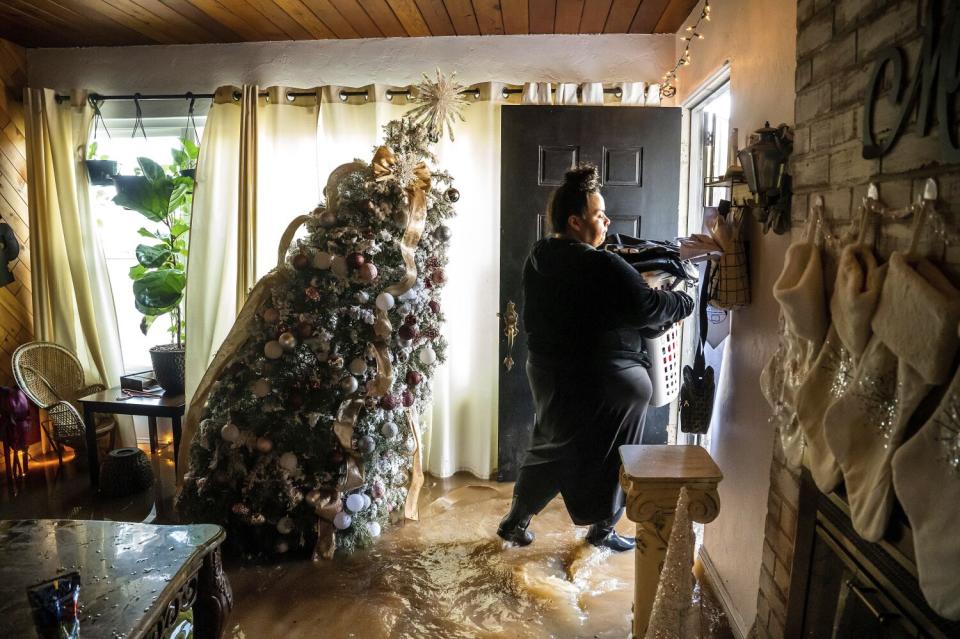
column 926, row 477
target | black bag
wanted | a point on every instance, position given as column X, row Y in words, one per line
column 698, row 386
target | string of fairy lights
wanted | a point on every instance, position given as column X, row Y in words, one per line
column 667, row 87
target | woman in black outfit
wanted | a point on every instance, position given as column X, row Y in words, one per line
column 586, row 312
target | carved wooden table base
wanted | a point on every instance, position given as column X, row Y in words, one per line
column 651, row 477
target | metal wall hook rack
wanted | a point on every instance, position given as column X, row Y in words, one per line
column 925, row 207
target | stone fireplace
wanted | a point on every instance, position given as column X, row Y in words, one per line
column 813, row 563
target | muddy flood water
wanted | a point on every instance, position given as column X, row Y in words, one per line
column 445, row 576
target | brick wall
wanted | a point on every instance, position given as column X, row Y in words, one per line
column 837, row 45
column 16, row 315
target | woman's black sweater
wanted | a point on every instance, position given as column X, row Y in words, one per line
column 584, row 305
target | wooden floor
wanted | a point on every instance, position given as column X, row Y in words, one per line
column 446, row 575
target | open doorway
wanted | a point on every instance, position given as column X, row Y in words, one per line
column 712, row 145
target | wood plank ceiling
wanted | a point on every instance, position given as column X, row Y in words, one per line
column 64, row 23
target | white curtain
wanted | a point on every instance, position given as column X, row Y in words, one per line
column 287, row 185
column 73, row 302
column 460, row 432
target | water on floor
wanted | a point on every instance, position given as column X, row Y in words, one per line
column 447, row 575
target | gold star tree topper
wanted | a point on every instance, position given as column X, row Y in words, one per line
column 441, row 103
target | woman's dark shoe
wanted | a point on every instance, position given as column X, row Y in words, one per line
column 614, row 542
column 515, row 535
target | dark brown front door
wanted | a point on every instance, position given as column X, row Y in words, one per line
column 638, row 153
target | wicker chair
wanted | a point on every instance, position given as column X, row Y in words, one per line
column 52, row 378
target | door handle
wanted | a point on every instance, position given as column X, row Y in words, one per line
column 883, row 617
column 510, row 319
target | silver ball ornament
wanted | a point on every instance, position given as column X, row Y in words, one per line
column 328, row 218
column 349, row 384
column 427, row 356
column 358, row 366
column 443, row 233
column 342, row 520
column 262, row 387
column 355, row 503
column 366, row 444
column 230, row 432
column 273, row 349
column 452, row 194
column 288, row 461
column 285, row 526
column 287, row 340
column 389, row 430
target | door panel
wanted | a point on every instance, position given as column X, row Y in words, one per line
column 638, row 153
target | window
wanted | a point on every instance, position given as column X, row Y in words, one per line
column 119, row 227
column 710, row 153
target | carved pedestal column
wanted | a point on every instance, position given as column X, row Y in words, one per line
column 652, row 477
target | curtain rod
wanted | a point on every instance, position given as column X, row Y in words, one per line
column 344, row 95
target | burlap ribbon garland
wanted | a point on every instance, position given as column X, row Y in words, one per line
column 384, row 161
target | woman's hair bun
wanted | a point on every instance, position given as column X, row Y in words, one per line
column 584, row 178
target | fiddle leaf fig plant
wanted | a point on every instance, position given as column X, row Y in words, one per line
column 164, row 197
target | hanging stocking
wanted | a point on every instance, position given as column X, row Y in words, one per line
column 926, row 477
column 855, row 296
column 800, row 292
column 910, row 352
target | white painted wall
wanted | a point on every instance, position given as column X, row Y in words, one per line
column 758, row 37
column 396, row 61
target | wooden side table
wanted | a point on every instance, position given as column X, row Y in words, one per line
column 651, row 477
column 135, row 578
column 115, row 402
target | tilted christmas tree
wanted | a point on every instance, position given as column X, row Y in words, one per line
column 308, row 431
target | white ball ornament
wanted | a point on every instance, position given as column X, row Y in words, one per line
column 264, row 445
column 373, row 528
column 342, row 520
column 288, row 461
column 355, row 503
column 230, row 432
column 349, row 384
column 287, row 341
column 273, row 349
column 366, row 444
column 389, row 430
column 285, row 526
column 428, row 356
column 358, row 366
column 385, row 301
column 339, row 266
column 322, row 260
column 261, row 388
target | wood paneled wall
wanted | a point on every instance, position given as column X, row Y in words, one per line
column 16, row 308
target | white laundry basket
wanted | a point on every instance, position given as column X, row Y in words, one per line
column 664, row 354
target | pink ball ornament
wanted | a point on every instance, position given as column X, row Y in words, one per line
column 264, row 445
column 414, row 377
column 368, row 272
column 434, row 306
column 355, row 260
column 406, row 398
column 389, row 402
column 271, row 315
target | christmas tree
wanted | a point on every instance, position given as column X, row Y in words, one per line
column 308, row 431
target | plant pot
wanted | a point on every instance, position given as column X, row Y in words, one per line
column 124, row 472
column 190, row 173
column 169, row 363
column 129, row 183
column 101, row 172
